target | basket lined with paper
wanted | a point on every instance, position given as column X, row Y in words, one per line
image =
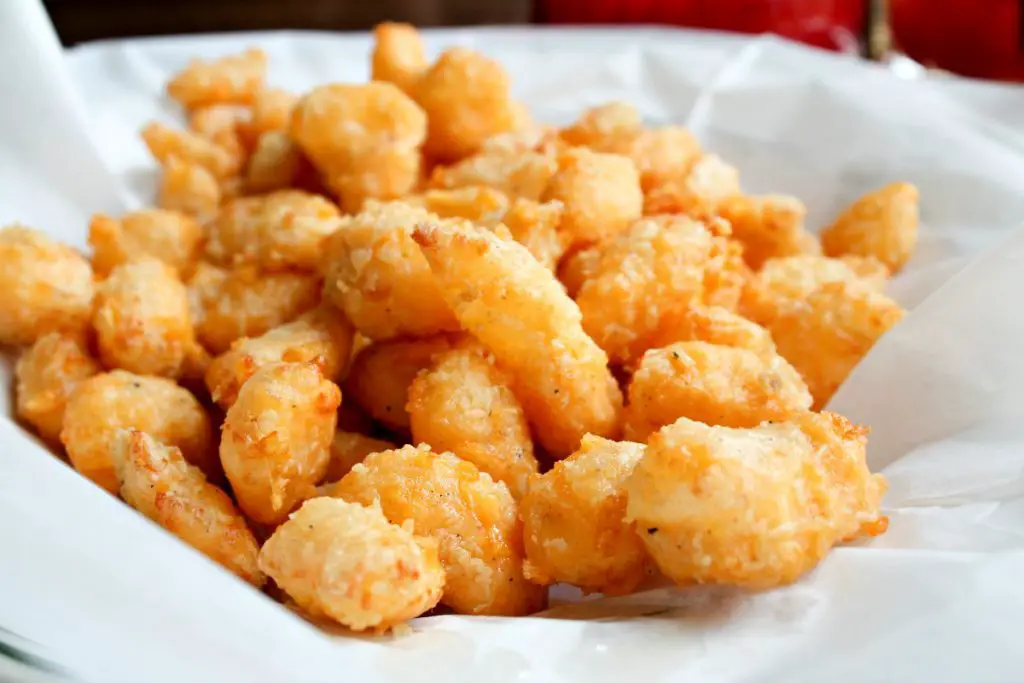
column 557, row 356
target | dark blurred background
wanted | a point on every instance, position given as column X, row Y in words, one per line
column 982, row 38
column 82, row 20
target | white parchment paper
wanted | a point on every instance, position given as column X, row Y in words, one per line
column 939, row 598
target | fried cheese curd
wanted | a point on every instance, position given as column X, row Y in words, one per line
column 282, row 230
column 352, row 418
column 826, row 334
column 530, row 137
column 472, row 517
column 170, row 236
column 158, row 482
column 663, row 154
column 44, row 377
column 348, row 449
column 463, row 403
column 651, row 269
column 228, row 304
column 600, row 192
column 882, row 224
column 717, row 385
column 143, row 323
column 755, row 507
column 398, row 56
column 518, row 173
column 467, row 99
column 346, row 562
column 234, row 79
column 659, row 154
column 276, row 163
column 607, row 127
column 275, row 440
column 381, row 374
column 105, row 403
column 769, row 226
column 782, row 282
column 322, row 336
column 165, row 143
column 375, row 273
column 574, row 526
column 478, row 203
column 271, row 111
column 714, row 325
column 708, row 182
column 869, row 269
column 726, row 274
column 48, row 287
column 222, row 124
column 535, row 225
column 189, row 188
column 364, row 139
column 519, row 311
column 578, row 267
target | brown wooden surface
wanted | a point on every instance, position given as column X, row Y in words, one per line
column 82, row 20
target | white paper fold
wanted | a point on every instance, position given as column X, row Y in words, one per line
column 939, row 598
column 48, row 161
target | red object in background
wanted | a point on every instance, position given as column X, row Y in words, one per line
column 981, row 38
column 832, row 24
